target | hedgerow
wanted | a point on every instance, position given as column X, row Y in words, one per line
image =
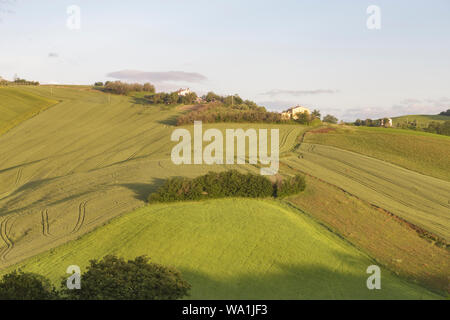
column 230, row 183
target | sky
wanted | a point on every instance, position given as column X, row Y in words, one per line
column 319, row 54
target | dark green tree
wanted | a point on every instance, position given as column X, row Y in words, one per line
column 19, row 285
column 113, row 278
column 332, row 119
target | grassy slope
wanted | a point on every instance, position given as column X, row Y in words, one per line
column 419, row 199
column 234, row 249
column 422, row 119
column 392, row 242
column 423, row 152
column 17, row 105
column 87, row 160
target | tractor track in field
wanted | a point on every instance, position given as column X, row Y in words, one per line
column 18, row 176
column 81, row 216
column 5, row 238
column 45, row 223
column 430, row 236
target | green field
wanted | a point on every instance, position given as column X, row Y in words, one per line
column 234, row 249
column 93, row 157
column 17, row 105
column 90, row 158
column 421, row 119
column 423, row 152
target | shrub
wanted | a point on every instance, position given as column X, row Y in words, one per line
column 230, row 183
column 290, row 186
column 113, row 278
column 214, row 185
column 20, row 285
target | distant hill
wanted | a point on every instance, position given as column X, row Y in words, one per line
column 422, row 119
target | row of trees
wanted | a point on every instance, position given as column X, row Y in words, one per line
column 230, row 183
column 219, row 113
column 119, row 87
column 445, row 113
column 18, row 81
column 111, row 278
column 438, row 127
column 372, row 123
column 171, row 98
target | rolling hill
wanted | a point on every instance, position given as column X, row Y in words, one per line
column 17, row 105
column 84, row 161
column 93, row 157
column 234, row 249
column 421, row 119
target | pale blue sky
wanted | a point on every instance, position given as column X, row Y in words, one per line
column 315, row 53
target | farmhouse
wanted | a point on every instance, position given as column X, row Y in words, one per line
column 387, row 124
column 292, row 113
column 183, row 92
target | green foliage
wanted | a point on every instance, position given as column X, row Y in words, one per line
column 19, row 285
column 290, row 186
column 230, row 183
column 332, row 119
column 119, row 87
column 113, row 278
column 445, row 113
column 438, row 127
column 171, row 98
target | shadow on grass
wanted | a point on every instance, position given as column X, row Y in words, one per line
column 301, row 282
column 143, row 190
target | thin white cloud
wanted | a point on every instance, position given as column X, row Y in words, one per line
column 157, row 77
column 278, row 92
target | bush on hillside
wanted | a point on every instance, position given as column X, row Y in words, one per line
column 230, row 183
column 119, row 87
column 113, row 278
column 290, row 186
column 19, row 285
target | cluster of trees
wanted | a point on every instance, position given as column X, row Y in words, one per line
column 119, row 87
column 234, row 101
column 371, row 123
column 171, row 98
column 330, row 119
column 220, row 113
column 438, row 127
column 18, row 81
column 306, row 118
column 445, row 113
column 112, row 278
column 230, row 183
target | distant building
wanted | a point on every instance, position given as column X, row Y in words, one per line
column 388, row 124
column 292, row 113
column 183, row 92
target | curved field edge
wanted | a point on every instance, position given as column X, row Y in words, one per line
column 422, row 152
column 392, row 242
column 17, row 106
column 234, row 249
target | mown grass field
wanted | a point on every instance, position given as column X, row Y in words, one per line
column 17, row 105
column 89, row 158
column 419, row 199
column 423, row 152
column 234, row 249
column 393, row 243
